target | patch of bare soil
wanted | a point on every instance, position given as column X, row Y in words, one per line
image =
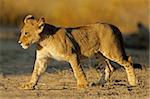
column 58, row 82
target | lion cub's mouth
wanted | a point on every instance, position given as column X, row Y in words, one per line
column 24, row 46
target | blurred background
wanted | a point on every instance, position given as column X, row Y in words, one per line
column 16, row 64
column 130, row 16
column 125, row 14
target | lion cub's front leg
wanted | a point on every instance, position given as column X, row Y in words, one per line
column 78, row 72
column 39, row 68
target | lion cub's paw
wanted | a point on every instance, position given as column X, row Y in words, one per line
column 27, row 86
column 133, row 83
column 82, row 85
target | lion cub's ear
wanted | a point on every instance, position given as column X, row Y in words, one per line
column 28, row 17
column 41, row 23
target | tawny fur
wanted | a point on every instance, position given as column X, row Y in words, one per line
column 68, row 44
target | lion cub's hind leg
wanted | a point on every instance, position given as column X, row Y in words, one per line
column 130, row 71
column 106, row 74
column 127, row 65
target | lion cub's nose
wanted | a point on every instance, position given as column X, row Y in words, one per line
column 19, row 42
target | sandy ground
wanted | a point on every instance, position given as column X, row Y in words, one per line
column 58, row 82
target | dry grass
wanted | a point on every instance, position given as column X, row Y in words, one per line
column 123, row 13
column 59, row 81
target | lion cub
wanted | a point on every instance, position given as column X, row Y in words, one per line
column 68, row 44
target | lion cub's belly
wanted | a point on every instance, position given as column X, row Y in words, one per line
column 47, row 52
column 54, row 54
column 59, row 52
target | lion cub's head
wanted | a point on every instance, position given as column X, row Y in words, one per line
column 30, row 32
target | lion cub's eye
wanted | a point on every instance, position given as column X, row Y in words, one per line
column 25, row 33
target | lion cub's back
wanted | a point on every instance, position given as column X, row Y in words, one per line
column 87, row 39
column 99, row 37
